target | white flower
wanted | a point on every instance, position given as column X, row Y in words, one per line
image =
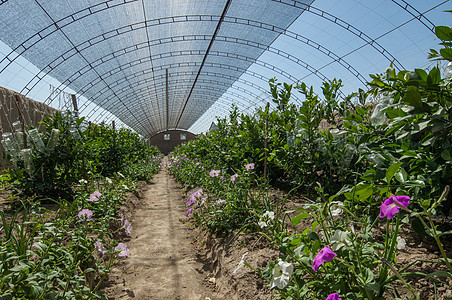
column 241, row 263
column 401, row 243
column 265, row 219
column 120, row 174
column 262, row 224
column 336, row 209
column 83, row 181
column 108, row 180
column 281, row 274
column 339, row 239
column 269, row 214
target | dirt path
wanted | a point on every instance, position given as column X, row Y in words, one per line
column 162, row 262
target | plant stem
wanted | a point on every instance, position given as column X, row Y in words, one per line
column 399, row 276
column 438, row 242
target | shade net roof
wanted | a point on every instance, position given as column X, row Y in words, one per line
column 154, row 65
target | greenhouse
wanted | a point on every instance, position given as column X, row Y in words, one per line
column 225, row 149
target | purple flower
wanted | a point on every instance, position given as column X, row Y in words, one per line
column 333, row 296
column 190, row 202
column 249, row 166
column 392, row 206
column 233, row 177
column 324, row 255
column 214, row 173
column 85, row 214
column 127, row 227
column 95, row 196
column 99, row 247
column 203, row 200
column 188, row 214
column 177, row 165
column 198, row 193
column 123, row 248
column 194, row 197
column 187, row 159
column 220, row 201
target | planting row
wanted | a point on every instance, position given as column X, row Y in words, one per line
column 63, row 230
column 377, row 167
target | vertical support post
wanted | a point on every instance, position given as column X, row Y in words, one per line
column 74, row 104
column 267, row 108
column 167, row 102
column 21, row 118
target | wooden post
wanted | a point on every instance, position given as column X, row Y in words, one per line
column 267, row 108
column 21, row 118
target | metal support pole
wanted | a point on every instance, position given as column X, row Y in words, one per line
column 167, row 102
column 21, row 118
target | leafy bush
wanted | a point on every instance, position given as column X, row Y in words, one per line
column 57, row 162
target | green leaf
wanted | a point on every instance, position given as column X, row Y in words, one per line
column 434, row 77
column 364, row 191
column 444, row 33
column 413, row 97
column 21, row 266
column 419, row 183
column 446, row 53
column 445, row 233
column 401, row 176
column 313, row 236
column 422, row 73
column 439, row 274
column 445, row 154
column 392, row 170
column 295, row 220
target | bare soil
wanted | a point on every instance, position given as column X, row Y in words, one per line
column 163, row 261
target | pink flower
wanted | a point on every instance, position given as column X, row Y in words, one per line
column 203, row 200
column 123, row 248
column 100, row 248
column 85, row 214
column 190, row 202
column 198, row 193
column 220, row 201
column 249, row 166
column 95, row 196
column 392, row 206
column 127, row 227
column 333, row 296
column 194, row 197
column 188, row 214
column 324, row 255
column 233, row 177
column 214, row 173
